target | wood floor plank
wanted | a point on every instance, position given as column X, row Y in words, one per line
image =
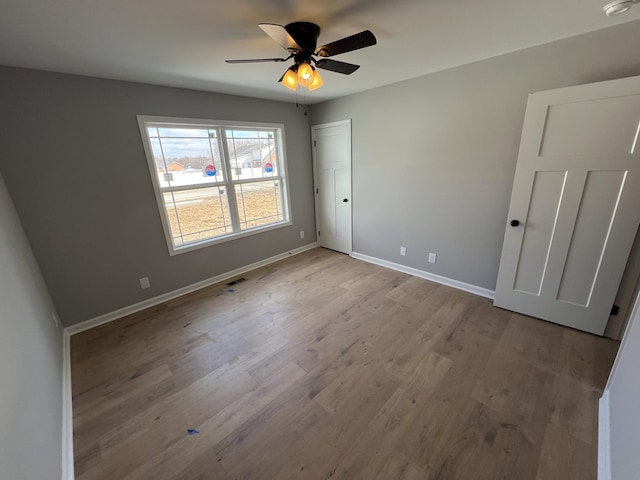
column 166, row 423
column 573, row 407
column 565, row 456
column 399, row 467
column 178, row 456
column 411, row 291
column 409, row 355
column 112, row 403
column 391, row 423
column 585, row 357
column 479, row 447
column 325, row 367
column 275, row 448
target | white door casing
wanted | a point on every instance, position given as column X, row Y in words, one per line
column 576, row 194
column 332, row 184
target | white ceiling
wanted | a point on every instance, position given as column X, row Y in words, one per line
column 184, row 43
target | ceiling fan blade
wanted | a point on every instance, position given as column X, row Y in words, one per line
column 347, row 44
column 335, row 66
column 258, row 60
column 281, row 36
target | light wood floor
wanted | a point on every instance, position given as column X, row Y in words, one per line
column 322, row 366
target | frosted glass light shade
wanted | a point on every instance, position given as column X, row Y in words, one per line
column 317, row 81
column 290, row 80
column 305, row 74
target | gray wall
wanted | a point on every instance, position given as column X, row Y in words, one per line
column 73, row 161
column 434, row 157
column 624, row 392
column 30, row 360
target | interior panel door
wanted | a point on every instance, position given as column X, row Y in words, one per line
column 332, row 176
column 575, row 204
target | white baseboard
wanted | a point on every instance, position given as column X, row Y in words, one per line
column 467, row 287
column 111, row 316
column 67, row 410
column 604, row 438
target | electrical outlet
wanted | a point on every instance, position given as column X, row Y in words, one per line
column 144, row 282
column 403, row 251
column 301, row 233
column 432, row 258
column 56, row 320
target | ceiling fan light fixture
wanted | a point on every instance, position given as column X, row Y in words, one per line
column 618, row 7
column 305, row 74
column 290, row 79
column 317, row 81
column 300, row 40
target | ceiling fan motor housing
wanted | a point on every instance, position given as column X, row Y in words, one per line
column 306, row 36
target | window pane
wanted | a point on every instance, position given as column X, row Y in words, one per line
column 242, row 133
column 197, row 214
column 252, row 158
column 259, row 203
column 198, row 132
column 187, row 161
column 158, row 160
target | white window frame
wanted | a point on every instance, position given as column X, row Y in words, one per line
column 144, row 121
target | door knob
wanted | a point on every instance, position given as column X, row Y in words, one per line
column 345, row 200
column 515, row 223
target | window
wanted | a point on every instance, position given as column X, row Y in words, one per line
column 215, row 181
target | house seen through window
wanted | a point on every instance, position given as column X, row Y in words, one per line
column 213, row 181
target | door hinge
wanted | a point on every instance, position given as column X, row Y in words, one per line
column 314, row 143
column 615, row 309
column 318, row 232
column 316, row 191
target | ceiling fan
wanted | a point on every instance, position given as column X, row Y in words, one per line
column 300, row 40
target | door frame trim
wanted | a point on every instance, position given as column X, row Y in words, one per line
column 315, row 175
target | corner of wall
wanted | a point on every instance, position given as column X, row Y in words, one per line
column 604, row 438
column 67, row 409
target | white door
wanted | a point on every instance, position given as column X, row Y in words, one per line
column 332, row 178
column 575, row 204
